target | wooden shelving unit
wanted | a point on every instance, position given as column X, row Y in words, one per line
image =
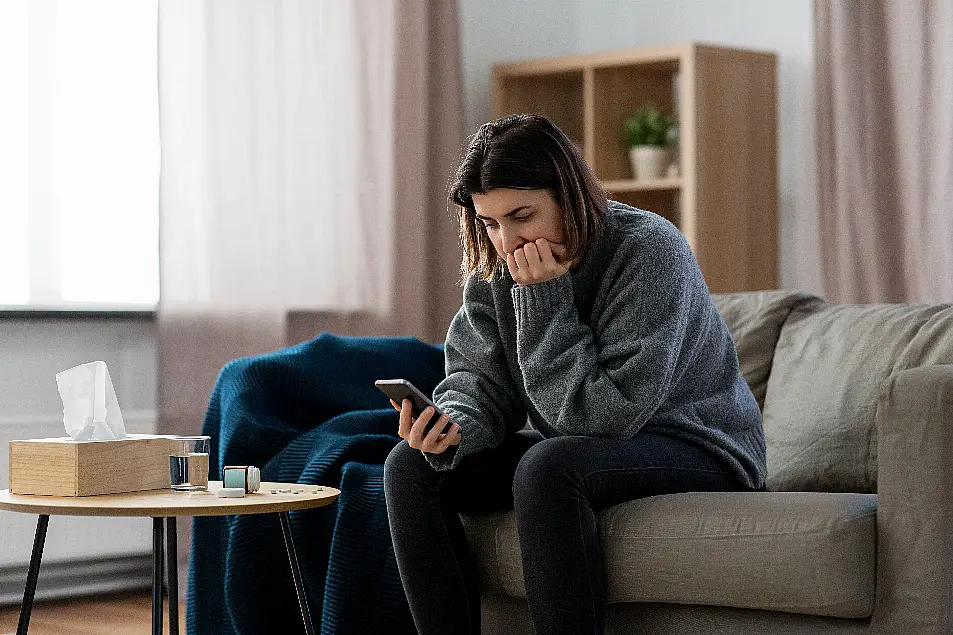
column 644, row 185
column 725, row 199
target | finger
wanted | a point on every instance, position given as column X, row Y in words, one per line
column 545, row 252
column 416, row 437
column 437, row 430
column 446, row 440
column 511, row 265
column 536, row 268
column 453, row 437
column 532, row 256
column 520, row 258
column 406, row 419
column 396, row 407
column 553, row 266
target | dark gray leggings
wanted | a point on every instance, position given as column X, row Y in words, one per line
column 555, row 486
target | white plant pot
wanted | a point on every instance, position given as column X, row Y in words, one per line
column 648, row 162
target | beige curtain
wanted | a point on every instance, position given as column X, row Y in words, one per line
column 885, row 148
column 306, row 148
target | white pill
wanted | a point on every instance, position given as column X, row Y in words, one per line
column 231, row 492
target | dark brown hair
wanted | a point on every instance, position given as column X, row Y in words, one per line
column 525, row 152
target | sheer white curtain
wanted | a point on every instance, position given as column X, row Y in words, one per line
column 306, row 147
column 79, row 155
column 267, row 144
column 270, row 147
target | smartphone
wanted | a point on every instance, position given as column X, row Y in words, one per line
column 400, row 389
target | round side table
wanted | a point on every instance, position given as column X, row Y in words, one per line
column 164, row 506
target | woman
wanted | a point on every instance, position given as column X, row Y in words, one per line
column 591, row 319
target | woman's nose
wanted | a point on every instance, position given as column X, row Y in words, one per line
column 511, row 241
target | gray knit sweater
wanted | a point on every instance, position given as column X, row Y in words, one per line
column 628, row 341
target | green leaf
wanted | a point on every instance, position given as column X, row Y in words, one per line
column 648, row 126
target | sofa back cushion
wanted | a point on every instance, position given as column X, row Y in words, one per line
column 824, row 388
column 754, row 320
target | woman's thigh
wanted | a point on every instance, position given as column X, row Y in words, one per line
column 612, row 471
column 481, row 482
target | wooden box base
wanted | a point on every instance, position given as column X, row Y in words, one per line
column 63, row 467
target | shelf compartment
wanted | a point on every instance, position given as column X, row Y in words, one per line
column 664, row 202
column 556, row 96
column 619, row 91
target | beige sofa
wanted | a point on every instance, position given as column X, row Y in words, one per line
column 855, row 534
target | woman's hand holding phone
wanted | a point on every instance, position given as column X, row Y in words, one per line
column 436, row 440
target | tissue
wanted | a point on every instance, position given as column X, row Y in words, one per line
column 90, row 409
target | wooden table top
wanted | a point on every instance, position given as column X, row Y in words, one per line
column 165, row 502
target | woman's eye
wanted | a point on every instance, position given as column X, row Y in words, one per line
column 490, row 226
column 521, row 218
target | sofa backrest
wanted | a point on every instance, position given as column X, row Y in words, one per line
column 824, row 387
column 754, row 320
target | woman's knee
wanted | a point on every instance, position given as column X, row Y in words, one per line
column 403, row 465
column 399, row 461
column 548, row 463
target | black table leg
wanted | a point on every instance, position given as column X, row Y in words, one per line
column 296, row 572
column 38, row 541
column 157, row 576
column 172, row 571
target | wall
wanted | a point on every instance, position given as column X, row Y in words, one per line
column 32, row 351
column 496, row 30
column 554, row 27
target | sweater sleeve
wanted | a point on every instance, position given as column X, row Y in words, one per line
column 608, row 379
column 478, row 392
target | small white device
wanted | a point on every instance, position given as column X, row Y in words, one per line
column 246, row 477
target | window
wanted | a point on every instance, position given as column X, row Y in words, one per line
column 79, row 154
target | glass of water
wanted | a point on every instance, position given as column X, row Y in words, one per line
column 188, row 463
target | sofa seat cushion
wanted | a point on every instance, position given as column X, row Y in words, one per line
column 799, row 552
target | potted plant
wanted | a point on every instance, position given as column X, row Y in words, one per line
column 648, row 132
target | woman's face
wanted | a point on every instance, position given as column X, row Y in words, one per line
column 513, row 218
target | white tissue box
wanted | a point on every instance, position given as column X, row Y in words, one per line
column 64, row 467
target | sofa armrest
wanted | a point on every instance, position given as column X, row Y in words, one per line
column 915, row 502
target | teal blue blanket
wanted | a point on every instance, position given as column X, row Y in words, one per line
column 307, row 414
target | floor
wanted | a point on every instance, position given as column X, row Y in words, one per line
column 126, row 614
